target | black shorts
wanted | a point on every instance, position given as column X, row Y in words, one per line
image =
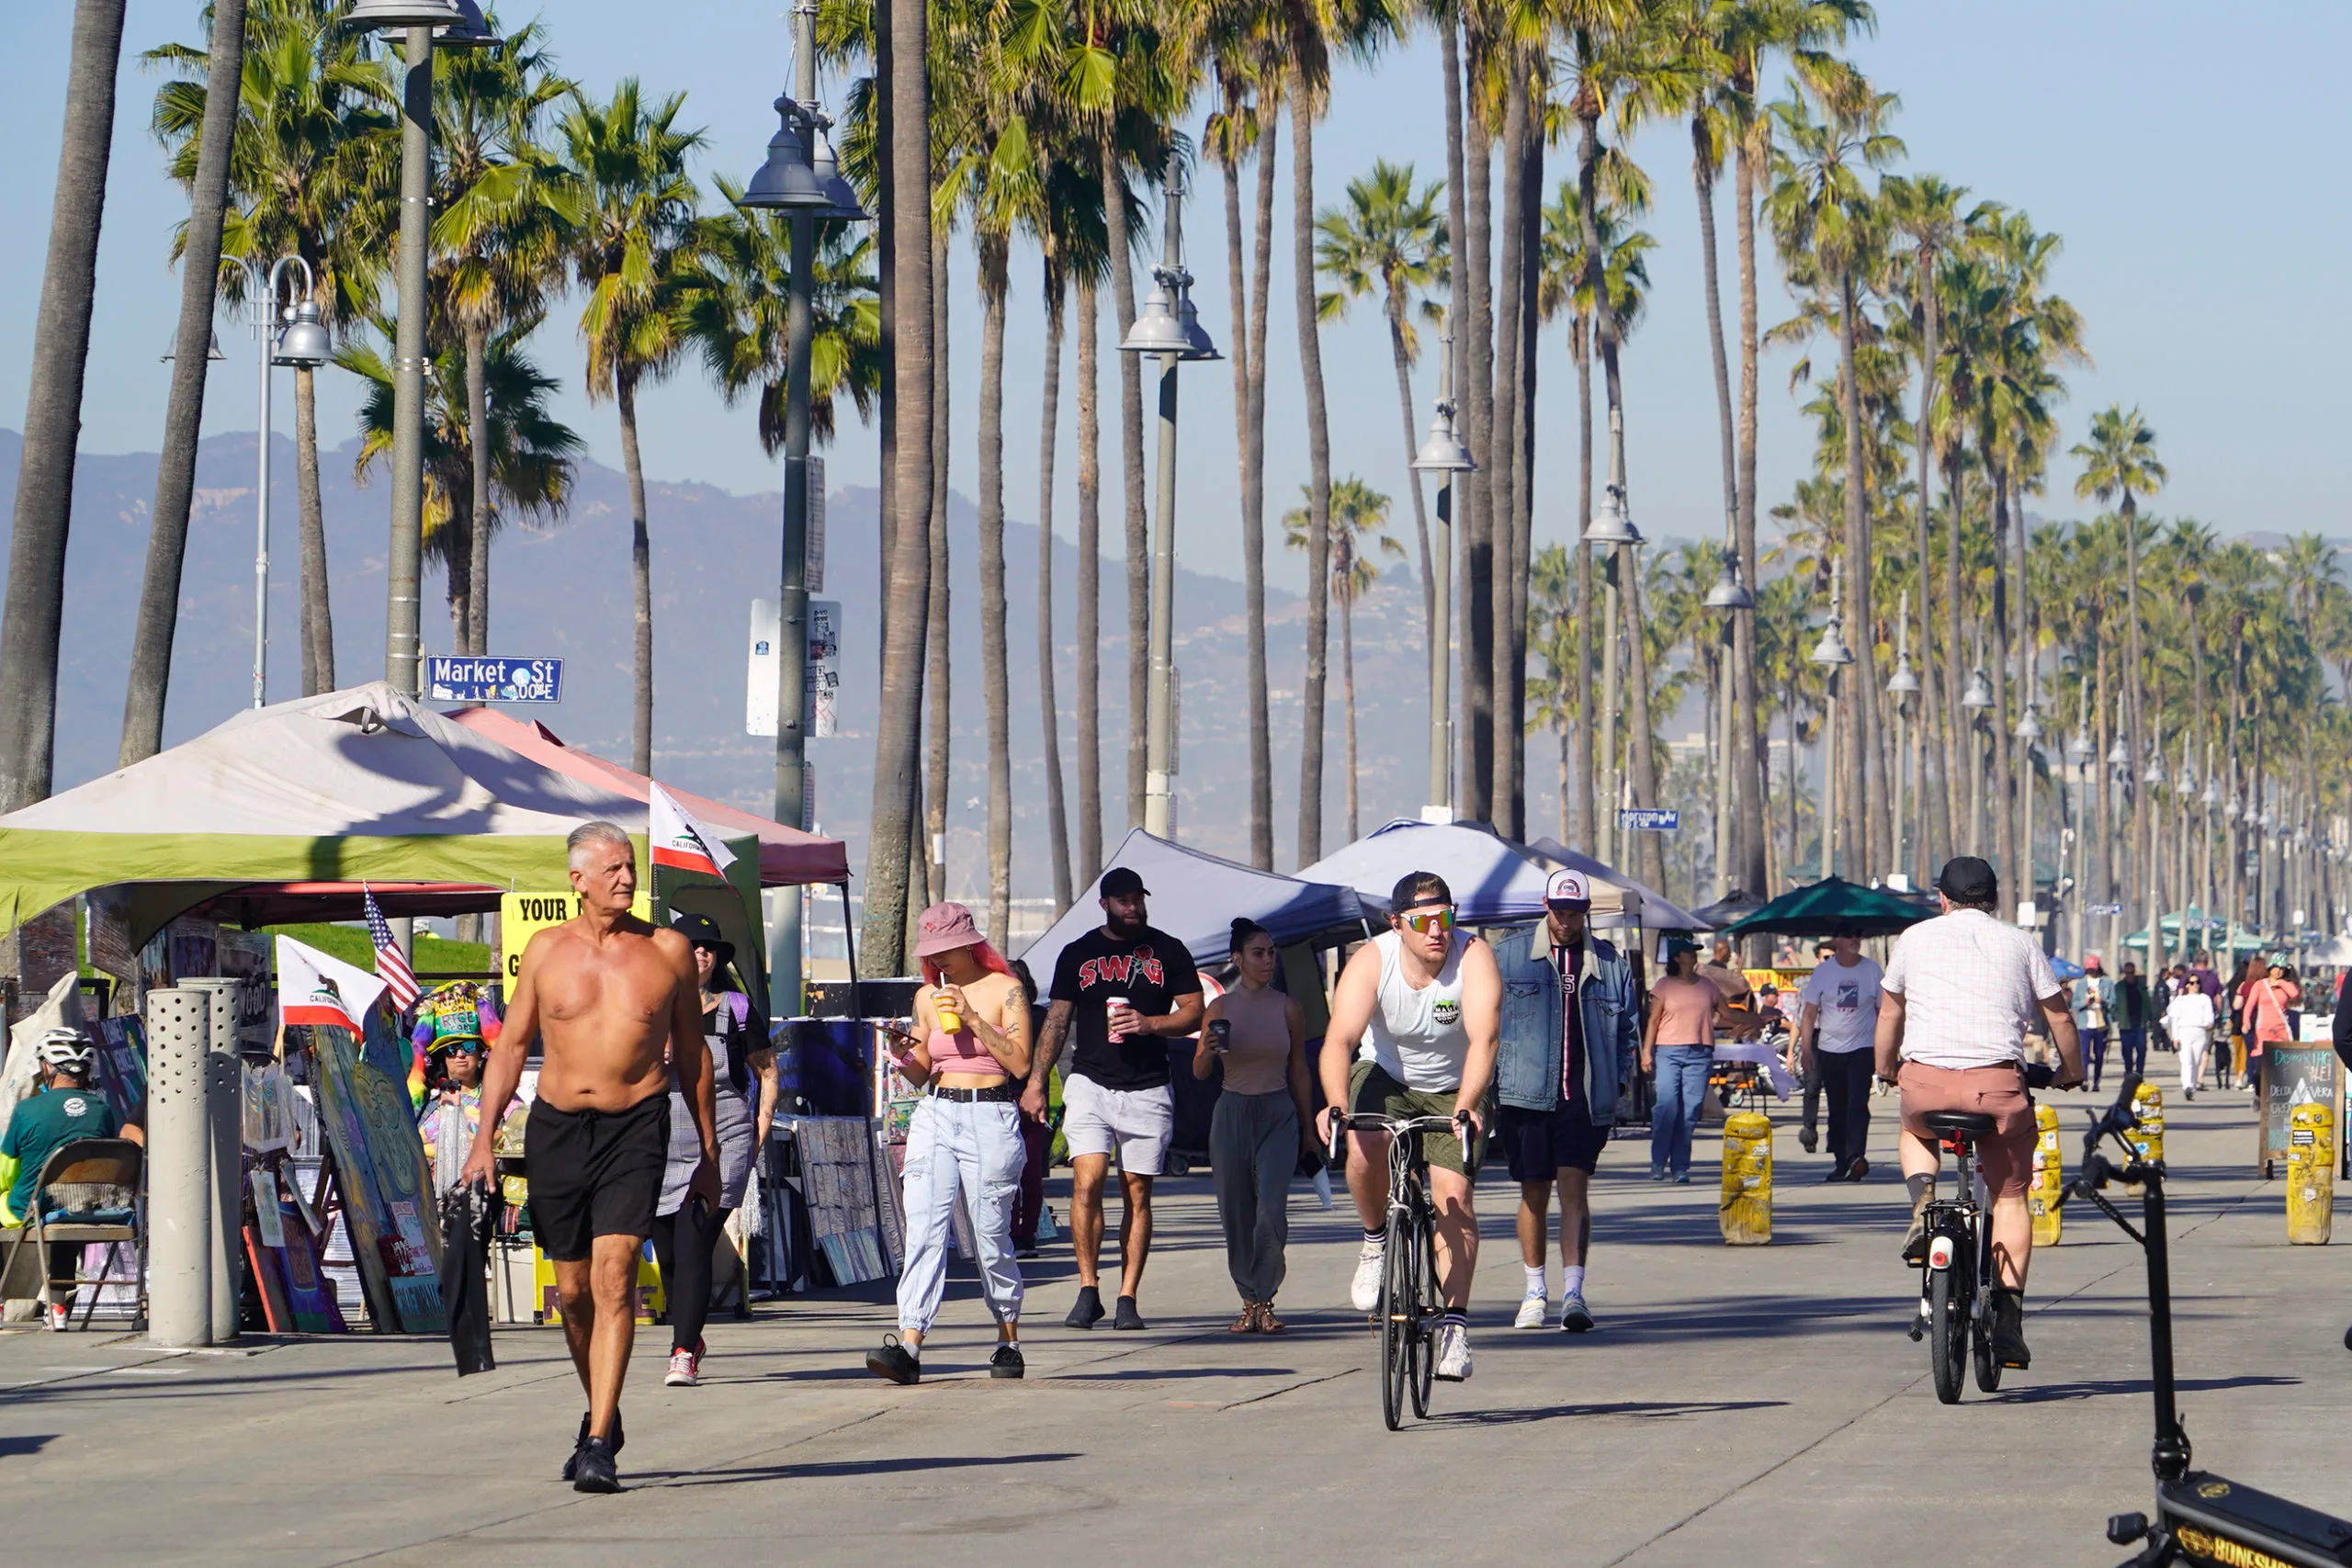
column 1539, row 1144
column 595, row 1173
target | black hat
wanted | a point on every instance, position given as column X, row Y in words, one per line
column 703, row 932
column 1121, row 881
column 1967, row 879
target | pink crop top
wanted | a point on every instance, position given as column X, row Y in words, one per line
column 961, row 1052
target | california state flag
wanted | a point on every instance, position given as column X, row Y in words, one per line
column 681, row 842
column 314, row 987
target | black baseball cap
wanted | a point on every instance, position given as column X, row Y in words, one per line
column 1968, row 879
column 1121, row 881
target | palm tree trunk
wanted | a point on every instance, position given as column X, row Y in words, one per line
column 1748, row 682
column 36, row 595
column 1866, row 785
column 1090, row 590
column 1934, row 807
column 1253, row 492
column 994, row 678
column 1956, row 718
column 1476, row 523
column 1501, row 475
column 1236, row 283
column 642, row 569
column 159, row 598
column 1522, row 544
column 1318, row 454
column 940, row 732
column 1123, row 296
column 1457, row 308
column 2005, row 818
column 1412, row 449
column 2136, row 726
column 459, row 570
column 1348, row 684
column 1049, row 417
column 317, row 616
column 901, row 41
column 2102, row 866
column 1581, row 347
column 1746, row 782
column 477, row 631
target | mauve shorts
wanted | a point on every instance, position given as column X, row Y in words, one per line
column 2005, row 1157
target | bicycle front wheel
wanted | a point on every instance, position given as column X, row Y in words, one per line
column 1427, row 1310
column 1397, row 1327
column 1948, row 1331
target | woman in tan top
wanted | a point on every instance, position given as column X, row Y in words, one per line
column 1259, row 1128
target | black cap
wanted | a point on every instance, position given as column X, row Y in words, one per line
column 1967, row 879
column 701, row 931
column 1121, row 881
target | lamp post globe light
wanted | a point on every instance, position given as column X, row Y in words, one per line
column 1443, row 454
column 1167, row 327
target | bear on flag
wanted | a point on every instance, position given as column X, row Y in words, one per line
column 678, row 841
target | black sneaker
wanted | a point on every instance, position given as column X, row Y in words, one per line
column 893, row 1361
column 593, row 1468
column 1087, row 1311
column 2009, row 1330
column 571, row 1465
column 1128, row 1317
column 1007, row 1362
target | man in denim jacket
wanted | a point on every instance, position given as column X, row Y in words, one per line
column 1556, row 1079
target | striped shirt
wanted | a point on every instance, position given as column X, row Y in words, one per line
column 1969, row 985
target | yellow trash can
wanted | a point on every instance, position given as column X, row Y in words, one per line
column 2311, row 1174
column 1748, row 1179
column 2148, row 1137
column 2049, row 1178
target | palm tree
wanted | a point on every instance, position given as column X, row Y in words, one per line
column 632, row 255
column 2119, row 464
column 736, row 299
column 199, row 248
column 1359, row 518
column 1559, row 693
column 1389, row 238
column 1306, row 84
column 36, row 599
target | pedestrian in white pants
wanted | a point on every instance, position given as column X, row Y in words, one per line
column 2189, row 1018
column 969, row 1055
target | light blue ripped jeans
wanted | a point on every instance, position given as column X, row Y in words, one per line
column 972, row 1147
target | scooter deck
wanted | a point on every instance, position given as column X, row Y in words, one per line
column 2222, row 1524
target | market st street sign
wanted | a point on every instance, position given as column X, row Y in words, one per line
column 451, row 678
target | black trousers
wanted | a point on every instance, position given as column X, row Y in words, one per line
column 1845, row 1085
column 682, row 1246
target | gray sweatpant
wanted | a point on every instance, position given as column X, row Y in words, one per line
column 1253, row 1149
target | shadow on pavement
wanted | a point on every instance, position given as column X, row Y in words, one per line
column 2135, row 1387
column 30, row 1443
column 837, row 1469
column 1673, row 1409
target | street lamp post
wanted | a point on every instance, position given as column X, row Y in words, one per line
column 1832, row 653
column 2151, row 780
column 1169, row 328
column 1902, row 685
column 1612, row 526
column 457, row 24
column 1975, row 701
column 2080, row 753
column 2119, row 771
column 1729, row 596
column 2029, row 731
column 800, row 179
column 1444, row 455
column 303, row 344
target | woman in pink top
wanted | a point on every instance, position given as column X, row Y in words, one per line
column 2268, row 999
column 965, row 1137
column 1678, row 1044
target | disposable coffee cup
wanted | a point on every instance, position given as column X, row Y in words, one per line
column 1111, row 1005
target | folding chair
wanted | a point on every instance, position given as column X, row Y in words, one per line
column 88, row 1190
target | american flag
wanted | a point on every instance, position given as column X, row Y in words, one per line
column 391, row 967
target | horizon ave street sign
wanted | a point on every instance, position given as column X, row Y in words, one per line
column 451, row 678
column 1649, row 819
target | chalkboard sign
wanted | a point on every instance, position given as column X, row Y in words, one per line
column 2292, row 1075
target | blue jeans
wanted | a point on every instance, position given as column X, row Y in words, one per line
column 974, row 1149
column 2135, row 1050
column 1681, row 1089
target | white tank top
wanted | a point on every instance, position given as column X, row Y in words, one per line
column 1416, row 1036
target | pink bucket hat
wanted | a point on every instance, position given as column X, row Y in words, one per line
column 944, row 928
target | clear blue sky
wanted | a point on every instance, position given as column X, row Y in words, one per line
column 2203, row 246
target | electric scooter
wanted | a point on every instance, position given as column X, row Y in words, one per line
column 2202, row 1518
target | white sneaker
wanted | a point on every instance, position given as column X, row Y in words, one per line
column 1532, row 1309
column 1454, row 1353
column 685, row 1371
column 1363, row 1292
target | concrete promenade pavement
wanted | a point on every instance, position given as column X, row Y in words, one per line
column 1735, row 1405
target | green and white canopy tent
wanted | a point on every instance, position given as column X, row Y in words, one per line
column 284, row 804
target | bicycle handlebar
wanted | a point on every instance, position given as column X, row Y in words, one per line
column 1377, row 1122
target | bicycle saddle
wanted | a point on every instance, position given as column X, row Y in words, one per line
column 1973, row 1124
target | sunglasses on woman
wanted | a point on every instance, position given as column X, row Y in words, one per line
column 1423, row 921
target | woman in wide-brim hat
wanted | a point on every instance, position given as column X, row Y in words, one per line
column 965, row 1137
column 684, row 1233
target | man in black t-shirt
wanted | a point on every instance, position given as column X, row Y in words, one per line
column 1124, row 991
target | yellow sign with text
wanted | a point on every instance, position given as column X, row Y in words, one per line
column 522, row 915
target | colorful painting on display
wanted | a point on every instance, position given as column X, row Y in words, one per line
column 309, row 1296
column 386, row 1186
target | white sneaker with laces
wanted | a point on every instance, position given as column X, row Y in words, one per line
column 683, row 1371
column 1452, row 1353
column 1532, row 1309
column 1363, row 1292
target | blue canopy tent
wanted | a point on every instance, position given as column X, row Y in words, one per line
column 1493, row 884
column 1194, row 899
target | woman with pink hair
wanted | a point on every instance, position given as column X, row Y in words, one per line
column 969, row 1055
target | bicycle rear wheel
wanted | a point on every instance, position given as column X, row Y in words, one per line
column 1427, row 1308
column 1948, row 1329
column 1397, row 1338
column 1988, row 1364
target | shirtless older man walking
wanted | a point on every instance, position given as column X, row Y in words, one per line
column 607, row 992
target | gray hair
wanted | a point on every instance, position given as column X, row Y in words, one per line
column 597, row 833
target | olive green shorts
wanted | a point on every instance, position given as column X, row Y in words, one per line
column 1370, row 1092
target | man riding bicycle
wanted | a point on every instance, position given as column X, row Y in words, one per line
column 1426, row 1001
column 1959, row 994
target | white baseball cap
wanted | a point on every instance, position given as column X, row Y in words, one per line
column 1568, row 890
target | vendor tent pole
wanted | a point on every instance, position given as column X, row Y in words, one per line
column 179, row 1161
column 849, row 941
column 225, row 1111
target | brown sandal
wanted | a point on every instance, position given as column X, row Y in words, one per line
column 1267, row 1322
column 1247, row 1322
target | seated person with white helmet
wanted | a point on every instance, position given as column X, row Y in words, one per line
column 64, row 1111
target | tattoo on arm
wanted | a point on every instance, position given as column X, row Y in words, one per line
column 1050, row 1049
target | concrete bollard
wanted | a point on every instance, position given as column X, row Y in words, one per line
column 225, row 1112
column 179, row 1167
